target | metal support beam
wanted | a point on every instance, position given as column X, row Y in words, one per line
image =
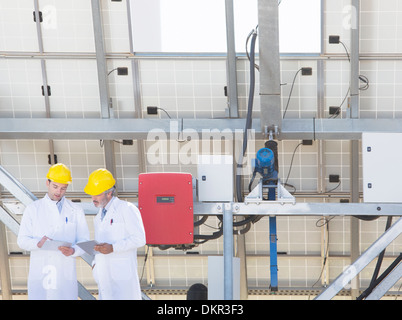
column 231, row 61
column 105, row 102
column 115, row 129
column 100, row 58
column 44, row 75
column 355, row 60
column 354, row 254
column 353, row 113
column 354, row 222
column 321, row 174
column 336, row 129
column 265, row 208
column 17, row 189
column 9, row 221
column 306, row 209
column 228, row 247
column 270, row 92
column 136, row 91
column 373, row 251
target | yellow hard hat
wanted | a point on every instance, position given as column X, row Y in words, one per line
column 59, row 173
column 99, row 181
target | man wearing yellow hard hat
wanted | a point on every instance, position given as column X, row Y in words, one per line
column 46, row 222
column 119, row 231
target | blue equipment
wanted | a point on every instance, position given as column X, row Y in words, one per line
column 265, row 165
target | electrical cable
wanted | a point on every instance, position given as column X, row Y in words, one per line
column 381, row 278
column 347, row 52
column 337, row 112
column 244, row 230
column 201, row 221
column 334, row 188
column 381, row 256
column 204, row 237
column 249, row 117
column 200, row 239
column 326, row 253
column 290, row 93
column 252, row 179
column 362, row 78
column 247, row 40
column 325, row 221
column 112, row 71
column 291, row 162
column 291, row 186
column 165, row 112
column 365, row 80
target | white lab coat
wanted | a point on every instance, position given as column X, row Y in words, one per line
column 116, row 273
column 52, row 275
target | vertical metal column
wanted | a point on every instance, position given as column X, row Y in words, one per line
column 355, row 59
column 228, row 247
column 231, row 61
column 102, row 80
column 354, row 144
column 136, row 90
column 321, row 172
column 270, row 91
column 44, row 75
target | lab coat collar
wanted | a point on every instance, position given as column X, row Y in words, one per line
column 107, row 207
column 54, row 202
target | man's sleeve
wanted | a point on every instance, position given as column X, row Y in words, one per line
column 25, row 239
column 134, row 227
column 82, row 233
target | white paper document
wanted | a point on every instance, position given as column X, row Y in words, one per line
column 55, row 244
column 88, row 246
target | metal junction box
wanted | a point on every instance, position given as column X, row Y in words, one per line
column 165, row 201
column 382, row 160
column 215, row 178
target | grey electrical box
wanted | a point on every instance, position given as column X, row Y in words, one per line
column 215, row 178
column 382, row 158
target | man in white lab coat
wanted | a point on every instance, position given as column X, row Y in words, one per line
column 52, row 273
column 119, row 231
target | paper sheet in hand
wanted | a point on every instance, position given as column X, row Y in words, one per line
column 88, row 246
column 54, row 244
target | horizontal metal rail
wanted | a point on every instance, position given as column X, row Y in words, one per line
column 110, row 129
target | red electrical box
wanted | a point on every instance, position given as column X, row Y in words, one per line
column 165, row 201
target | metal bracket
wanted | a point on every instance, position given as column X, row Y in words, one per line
column 256, row 195
column 220, row 207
